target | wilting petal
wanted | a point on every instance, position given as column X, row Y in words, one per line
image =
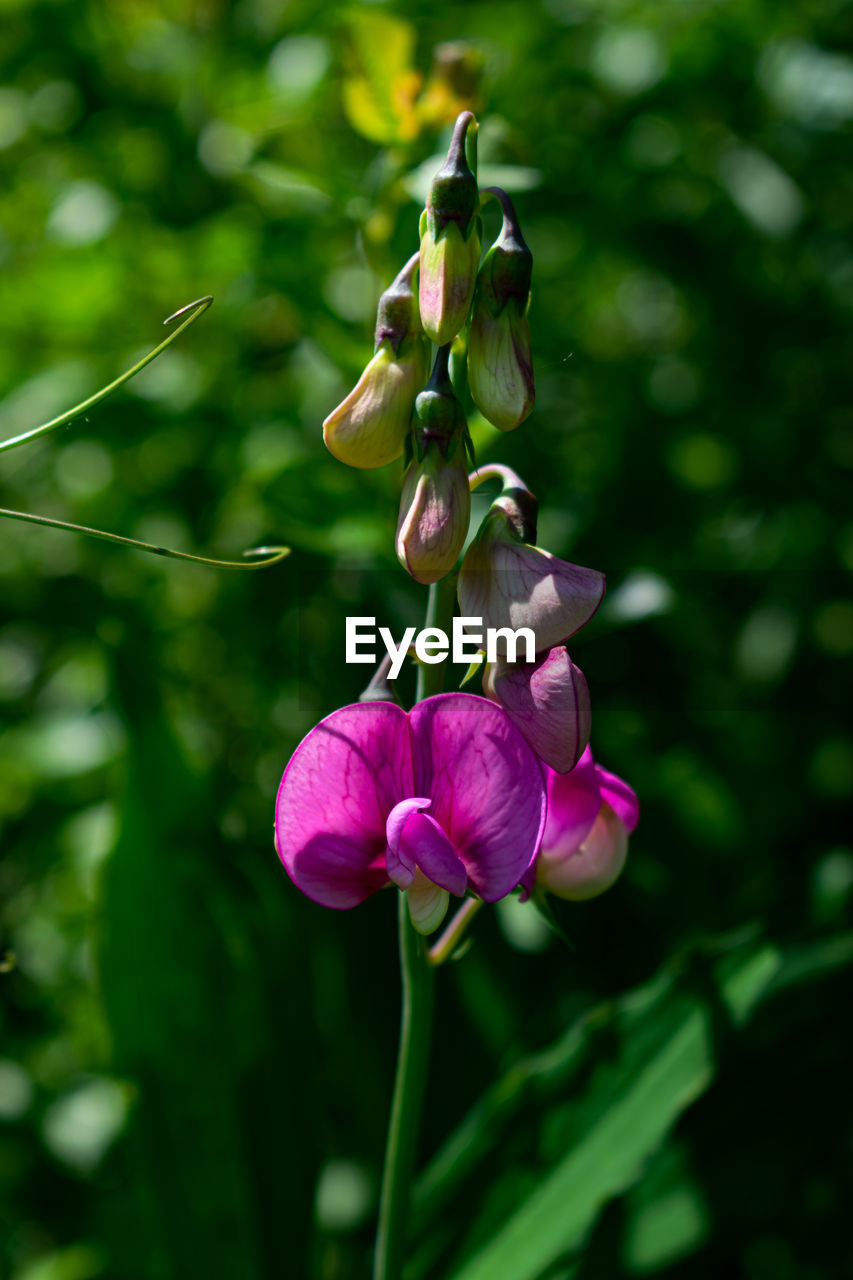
column 621, row 798
column 342, row 782
column 509, row 583
column 487, row 787
column 548, row 700
column 369, row 427
column 594, row 867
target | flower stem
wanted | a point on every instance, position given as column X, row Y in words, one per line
column 452, row 935
column 417, row 975
column 442, row 596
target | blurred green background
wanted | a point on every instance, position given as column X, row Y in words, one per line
column 195, row 1061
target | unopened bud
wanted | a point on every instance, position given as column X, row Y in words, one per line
column 548, row 700
column 369, row 428
column 591, row 813
column 435, row 505
column 451, row 232
column 500, row 365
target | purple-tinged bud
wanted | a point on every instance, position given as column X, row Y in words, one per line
column 369, row 428
column 548, row 700
column 435, row 508
column 435, row 505
column 509, row 583
column 591, row 813
column 500, row 365
column 451, row 234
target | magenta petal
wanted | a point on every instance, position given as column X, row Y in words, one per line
column 549, row 702
column 343, row 780
column 621, row 798
column 574, row 800
column 424, row 843
column 399, row 864
column 487, row 787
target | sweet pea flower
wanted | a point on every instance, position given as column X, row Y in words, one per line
column 548, row 700
column 445, row 799
column 508, row 582
column 369, row 427
column 591, row 813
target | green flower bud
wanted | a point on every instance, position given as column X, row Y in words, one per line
column 370, row 427
column 500, row 366
column 451, row 234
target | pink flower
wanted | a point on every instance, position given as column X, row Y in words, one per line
column 591, row 813
column 447, row 798
column 549, row 702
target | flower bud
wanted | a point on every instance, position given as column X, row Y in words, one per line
column 509, row 583
column 548, row 700
column 435, row 505
column 500, row 365
column 369, row 428
column 591, row 813
column 451, row 232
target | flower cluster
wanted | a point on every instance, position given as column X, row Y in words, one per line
column 463, row 795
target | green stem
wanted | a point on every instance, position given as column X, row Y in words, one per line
column 409, row 1085
column 418, row 979
column 440, row 605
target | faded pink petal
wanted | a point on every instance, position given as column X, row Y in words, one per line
column 341, row 784
column 486, row 784
column 595, row 866
column 548, row 700
column 509, row 583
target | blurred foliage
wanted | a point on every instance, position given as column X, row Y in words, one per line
column 195, row 1061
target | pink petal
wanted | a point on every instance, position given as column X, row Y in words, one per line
column 424, row 842
column 398, row 861
column 342, row 782
column 621, row 798
column 486, row 784
column 548, row 700
column 574, row 800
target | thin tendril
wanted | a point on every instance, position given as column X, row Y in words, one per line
column 197, row 308
column 272, row 555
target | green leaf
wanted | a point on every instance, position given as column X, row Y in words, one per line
column 629, row 1110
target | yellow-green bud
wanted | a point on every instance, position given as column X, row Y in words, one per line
column 370, row 427
column 500, row 366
